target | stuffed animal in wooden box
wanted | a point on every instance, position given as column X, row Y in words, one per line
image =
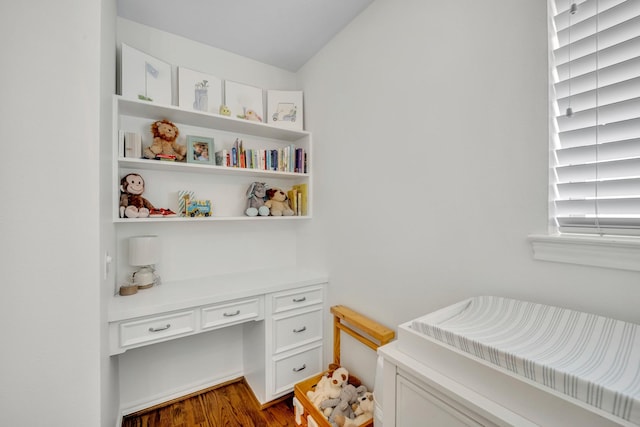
column 165, row 136
column 328, row 387
column 342, row 406
column 363, row 411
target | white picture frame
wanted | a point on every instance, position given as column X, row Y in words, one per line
column 241, row 98
column 285, row 109
column 199, row 91
column 144, row 77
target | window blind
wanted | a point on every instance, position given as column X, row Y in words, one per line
column 596, row 112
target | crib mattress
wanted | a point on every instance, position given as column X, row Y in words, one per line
column 590, row 358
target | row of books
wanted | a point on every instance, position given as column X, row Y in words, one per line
column 286, row 159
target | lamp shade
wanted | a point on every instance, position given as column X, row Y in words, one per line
column 144, row 250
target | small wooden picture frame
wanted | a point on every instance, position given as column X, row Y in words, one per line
column 200, row 150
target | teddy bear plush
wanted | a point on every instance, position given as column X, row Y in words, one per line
column 278, row 203
column 256, row 196
column 364, row 409
column 165, row 136
column 343, row 404
column 328, row 387
column 132, row 204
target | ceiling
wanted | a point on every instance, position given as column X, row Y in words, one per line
column 283, row 33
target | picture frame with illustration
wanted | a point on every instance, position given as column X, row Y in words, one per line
column 243, row 101
column 199, row 91
column 144, row 77
column 200, row 150
column 285, row 109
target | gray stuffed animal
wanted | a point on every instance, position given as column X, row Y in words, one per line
column 256, row 196
column 342, row 406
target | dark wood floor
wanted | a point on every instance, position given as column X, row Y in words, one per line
column 229, row 405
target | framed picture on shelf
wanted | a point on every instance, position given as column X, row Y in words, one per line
column 200, row 150
column 199, row 91
column 244, row 101
column 284, row 109
column 144, row 77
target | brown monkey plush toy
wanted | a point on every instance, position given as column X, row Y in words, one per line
column 132, row 204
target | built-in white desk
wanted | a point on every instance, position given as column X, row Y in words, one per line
column 288, row 305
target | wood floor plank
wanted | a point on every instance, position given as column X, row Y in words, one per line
column 230, row 405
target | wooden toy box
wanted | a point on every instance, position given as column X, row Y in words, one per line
column 367, row 331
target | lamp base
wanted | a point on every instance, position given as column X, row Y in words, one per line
column 144, row 278
column 128, row 290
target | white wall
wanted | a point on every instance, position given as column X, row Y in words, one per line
column 49, row 221
column 430, row 135
column 109, row 380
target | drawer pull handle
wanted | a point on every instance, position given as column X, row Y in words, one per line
column 235, row 313
column 297, row 331
column 164, row 328
column 302, row 299
column 302, row 368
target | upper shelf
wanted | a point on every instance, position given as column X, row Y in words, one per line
column 144, row 109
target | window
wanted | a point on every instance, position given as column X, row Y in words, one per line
column 595, row 144
column 596, row 137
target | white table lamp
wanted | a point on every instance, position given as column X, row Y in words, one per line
column 144, row 252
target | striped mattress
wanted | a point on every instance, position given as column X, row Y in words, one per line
column 591, row 358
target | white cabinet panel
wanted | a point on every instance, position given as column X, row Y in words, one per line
column 155, row 329
column 296, row 330
column 220, row 315
column 415, row 405
column 298, row 299
column 294, row 368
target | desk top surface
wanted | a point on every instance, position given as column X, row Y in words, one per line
column 182, row 294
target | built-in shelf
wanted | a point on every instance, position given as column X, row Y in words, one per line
column 227, row 184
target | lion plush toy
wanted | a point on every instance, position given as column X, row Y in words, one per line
column 277, row 203
column 165, row 135
column 132, row 204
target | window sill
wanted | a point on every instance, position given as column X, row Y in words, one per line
column 621, row 253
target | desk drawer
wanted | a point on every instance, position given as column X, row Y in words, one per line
column 297, row 367
column 226, row 314
column 156, row 328
column 295, row 330
column 300, row 298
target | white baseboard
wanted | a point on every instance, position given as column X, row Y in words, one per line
column 131, row 407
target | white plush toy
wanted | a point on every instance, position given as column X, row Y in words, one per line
column 328, row 387
column 364, row 412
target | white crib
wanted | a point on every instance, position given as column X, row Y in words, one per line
column 498, row 361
